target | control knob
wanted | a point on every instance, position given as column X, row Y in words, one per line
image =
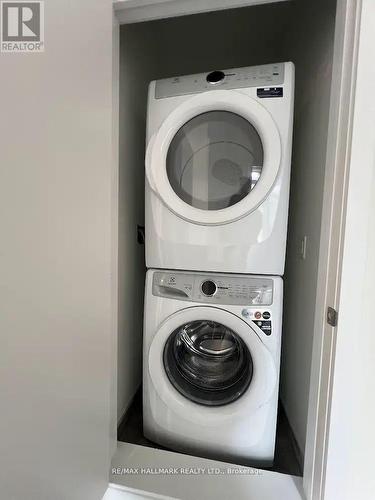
column 209, row 288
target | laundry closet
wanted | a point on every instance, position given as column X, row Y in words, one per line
column 73, row 270
column 300, row 32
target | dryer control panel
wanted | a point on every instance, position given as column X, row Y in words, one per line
column 213, row 289
column 267, row 75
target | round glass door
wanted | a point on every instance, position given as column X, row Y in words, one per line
column 214, row 160
column 207, row 362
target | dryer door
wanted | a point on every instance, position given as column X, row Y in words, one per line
column 215, row 158
column 205, row 357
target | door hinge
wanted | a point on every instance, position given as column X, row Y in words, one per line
column 332, row 316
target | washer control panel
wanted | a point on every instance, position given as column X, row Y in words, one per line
column 213, row 289
column 267, row 75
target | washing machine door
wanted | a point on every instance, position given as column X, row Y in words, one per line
column 203, row 358
column 215, row 158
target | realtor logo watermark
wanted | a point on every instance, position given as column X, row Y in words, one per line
column 22, row 26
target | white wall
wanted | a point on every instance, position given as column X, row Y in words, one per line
column 351, row 439
column 310, row 45
column 55, row 258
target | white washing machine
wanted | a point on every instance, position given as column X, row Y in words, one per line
column 218, row 169
column 211, row 360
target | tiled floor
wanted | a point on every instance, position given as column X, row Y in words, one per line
column 286, row 461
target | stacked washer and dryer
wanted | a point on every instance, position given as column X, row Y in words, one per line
column 217, row 191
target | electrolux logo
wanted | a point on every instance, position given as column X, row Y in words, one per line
column 22, row 26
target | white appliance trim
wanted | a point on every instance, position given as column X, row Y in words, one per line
column 264, row 379
column 215, row 100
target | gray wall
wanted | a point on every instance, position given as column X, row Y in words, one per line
column 309, row 44
column 136, row 70
column 224, row 39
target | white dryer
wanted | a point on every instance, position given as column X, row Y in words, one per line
column 211, row 358
column 218, row 170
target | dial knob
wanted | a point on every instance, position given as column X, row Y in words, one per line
column 209, row 288
column 215, row 77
